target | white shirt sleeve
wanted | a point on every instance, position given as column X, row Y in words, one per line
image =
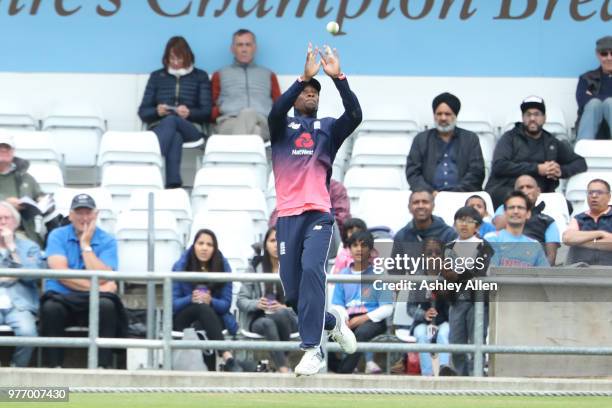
column 381, row 313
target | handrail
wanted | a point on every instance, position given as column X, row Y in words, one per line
column 93, row 342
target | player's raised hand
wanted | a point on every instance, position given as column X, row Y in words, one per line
column 311, row 68
column 330, row 61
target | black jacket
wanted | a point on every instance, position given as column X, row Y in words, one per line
column 409, row 240
column 517, row 154
column 425, row 154
column 191, row 90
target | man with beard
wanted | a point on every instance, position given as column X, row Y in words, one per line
column 529, row 149
column 446, row 158
column 303, row 150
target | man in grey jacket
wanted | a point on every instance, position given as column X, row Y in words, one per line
column 243, row 92
column 446, row 158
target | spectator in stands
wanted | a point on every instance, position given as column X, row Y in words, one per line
column 529, row 149
column 262, row 305
column 366, row 307
column 590, row 233
column 594, row 96
column 461, row 313
column 243, row 92
column 81, row 245
column 480, row 205
column 424, row 225
column 541, row 227
column 446, row 158
column 205, row 305
column 429, row 310
column 344, row 258
column 341, row 204
column 16, row 182
column 528, row 252
column 18, row 295
column 176, row 104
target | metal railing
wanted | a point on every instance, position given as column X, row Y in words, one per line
column 167, row 344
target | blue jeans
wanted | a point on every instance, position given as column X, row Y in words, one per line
column 420, row 332
column 595, row 111
column 172, row 132
column 23, row 323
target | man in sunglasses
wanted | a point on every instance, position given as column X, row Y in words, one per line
column 590, row 233
column 594, row 96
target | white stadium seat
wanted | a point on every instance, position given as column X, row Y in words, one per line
column 271, row 194
column 447, row 203
column 389, row 127
column 35, row 146
column 238, row 150
column 48, row 175
column 15, row 117
column 342, row 158
column 122, row 180
column 221, row 177
column 556, row 207
column 376, row 150
column 131, row 233
column 383, row 208
column 237, row 200
column 556, row 123
column 129, row 148
column 358, row 179
column 234, row 231
column 174, row 201
column 597, row 153
column 76, row 129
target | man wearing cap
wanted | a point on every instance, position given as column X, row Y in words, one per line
column 445, row 158
column 16, row 182
column 243, row 92
column 80, row 245
column 303, row 150
column 529, row 149
column 594, row 95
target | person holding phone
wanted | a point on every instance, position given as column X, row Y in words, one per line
column 176, row 104
column 262, row 305
column 205, row 305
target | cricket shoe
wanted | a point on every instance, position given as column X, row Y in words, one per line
column 311, row 363
column 342, row 335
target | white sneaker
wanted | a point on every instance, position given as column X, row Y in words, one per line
column 311, row 363
column 342, row 335
column 372, row 368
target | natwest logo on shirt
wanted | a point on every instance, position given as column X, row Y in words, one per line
column 304, row 145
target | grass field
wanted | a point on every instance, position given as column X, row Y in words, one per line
column 159, row 400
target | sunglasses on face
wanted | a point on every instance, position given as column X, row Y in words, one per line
column 604, row 54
